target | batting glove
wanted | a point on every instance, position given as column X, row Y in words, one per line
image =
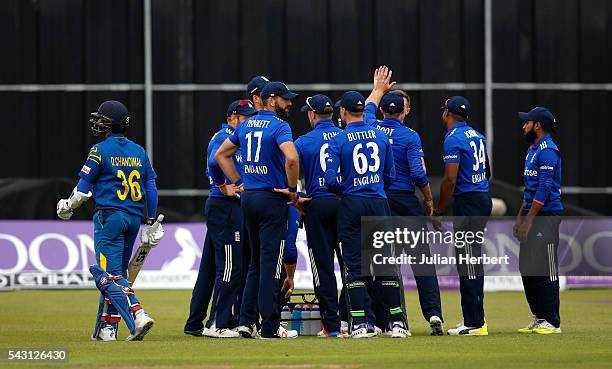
column 64, row 211
column 152, row 236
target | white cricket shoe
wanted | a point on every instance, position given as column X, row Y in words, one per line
column 344, row 328
column 143, row 324
column 227, row 333
column 360, row 331
column 544, row 327
column 529, row 328
column 210, row 332
column 248, row 331
column 107, row 333
column 281, row 333
column 463, row 330
column 399, row 331
column 435, row 326
column 287, row 333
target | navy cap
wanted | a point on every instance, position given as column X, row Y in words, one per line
column 458, row 105
column 542, row 115
column 320, row 104
column 256, row 85
column 113, row 111
column 392, row 103
column 274, row 89
column 352, row 101
column 241, row 107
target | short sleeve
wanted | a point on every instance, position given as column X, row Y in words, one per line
column 298, row 147
column 283, row 134
column 91, row 169
column 235, row 136
column 452, row 151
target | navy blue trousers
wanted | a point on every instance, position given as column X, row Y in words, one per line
column 265, row 217
column 352, row 208
column 471, row 211
column 220, row 266
column 404, row 203
column 321, row 220
column 203, row 289
column 539, row 266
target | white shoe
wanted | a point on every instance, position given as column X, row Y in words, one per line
column 544, row 327
column 529, row 328
column 284, row 333
column 399, row 331
column 377, row 332
column 226, row 333
column 107, row 334
column 463, row 330
column 435, row 326
column 143, row 324
column 344, row 327
column 248, row 332
column 360, row 331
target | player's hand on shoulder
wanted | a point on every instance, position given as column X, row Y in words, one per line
column 64, row 211
column 152, row 235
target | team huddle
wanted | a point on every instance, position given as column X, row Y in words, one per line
column 263, row 182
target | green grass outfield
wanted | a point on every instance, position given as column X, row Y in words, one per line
column 63, row 319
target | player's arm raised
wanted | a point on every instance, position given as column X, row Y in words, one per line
column 382, row 84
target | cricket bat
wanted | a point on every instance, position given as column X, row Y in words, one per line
column 141, row 254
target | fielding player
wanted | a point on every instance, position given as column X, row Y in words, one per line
column 360, row 166
column 537, row 224
column 466, row 177
column 321, row 215
column 410, row 172
column 271, row 161
column 223, row 247
column 254, row 88
column 116, row 172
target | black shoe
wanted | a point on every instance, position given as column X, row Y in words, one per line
column 197, row 333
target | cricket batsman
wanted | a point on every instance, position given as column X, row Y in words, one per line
column 537, row 224
column 119, row 176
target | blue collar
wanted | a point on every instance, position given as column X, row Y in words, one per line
column 393, row 121
column 227, row 126
column 267, row 112
column 324, row 123
column 356, row 124
column 117, row 135
column 454, row 126
column 536, row 145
